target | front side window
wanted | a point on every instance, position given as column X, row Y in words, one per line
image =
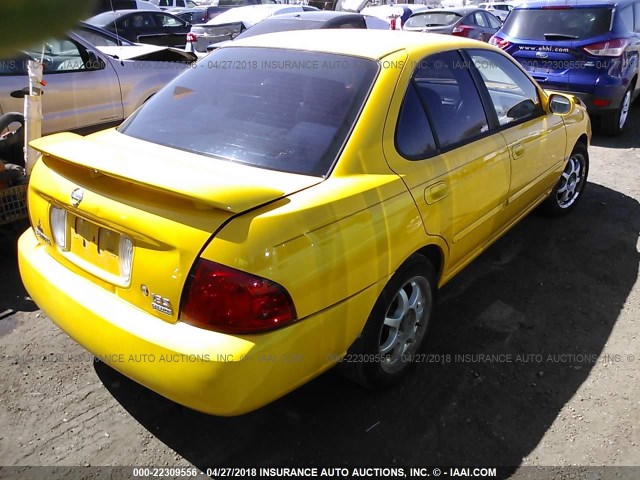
column 445, row 87
column 60, row 56
column 513, row 95
column 277, row 109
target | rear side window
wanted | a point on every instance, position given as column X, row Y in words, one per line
column 273, row 108
column 493, row 21
column 478, row 19
column 414, row 138
column 559, row 25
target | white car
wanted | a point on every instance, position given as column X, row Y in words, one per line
column 166, row 4
column 228, row 25
column 107, row 5
column 395, row 15
column 499, row 9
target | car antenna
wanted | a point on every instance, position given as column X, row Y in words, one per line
column 115, row 27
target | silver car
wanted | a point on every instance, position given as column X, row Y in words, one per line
column 228, row 25
column 89, row 88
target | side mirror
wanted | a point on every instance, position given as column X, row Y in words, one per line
column 559, row 104
column 94, row 62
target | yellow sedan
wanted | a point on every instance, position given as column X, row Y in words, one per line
column 293, row 199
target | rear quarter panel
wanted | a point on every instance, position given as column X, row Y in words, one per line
column 340, row 237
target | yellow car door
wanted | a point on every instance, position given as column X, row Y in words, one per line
column 536, row 140
column 456, row 167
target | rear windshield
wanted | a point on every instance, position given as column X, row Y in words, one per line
column 558, row 25
column 440, row 19
column 272, row 108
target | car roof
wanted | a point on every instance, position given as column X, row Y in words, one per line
column 410, row 6
column 372, row 44
column 316, row 16
column 253, row 13
column 572, row 3
column 458, row 10
column 102, row 31
column 263, row 6
column 109, row 16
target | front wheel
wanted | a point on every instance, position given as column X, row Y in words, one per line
column 571, row 184
column 396, row 328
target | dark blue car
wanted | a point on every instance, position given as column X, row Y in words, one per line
column 589, row 48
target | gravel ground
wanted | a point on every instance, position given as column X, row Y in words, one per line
column 535, row 361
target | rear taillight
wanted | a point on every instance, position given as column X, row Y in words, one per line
column 231, row 301
column 461, row 30
column 499, row 42
column 610, row 48
column 191, row 38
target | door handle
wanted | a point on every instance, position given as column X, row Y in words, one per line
column 20, row 93
column 436, row 192
column 517, row 150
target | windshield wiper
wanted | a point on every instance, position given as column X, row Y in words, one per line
column 560, row 36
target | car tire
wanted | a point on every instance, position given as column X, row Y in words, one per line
column 570, row 186
column 613, row 123
column 396, row 328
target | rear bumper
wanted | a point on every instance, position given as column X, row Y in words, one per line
column 612, row 95
column 599, row 93
column 208, row 371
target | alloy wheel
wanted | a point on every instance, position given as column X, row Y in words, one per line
column 572, row 180
column 405, row 324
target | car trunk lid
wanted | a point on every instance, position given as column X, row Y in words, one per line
column 136, row 215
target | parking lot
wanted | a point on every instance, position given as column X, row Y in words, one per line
column 534, row 360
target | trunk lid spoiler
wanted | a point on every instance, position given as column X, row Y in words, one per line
column 207, row 181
